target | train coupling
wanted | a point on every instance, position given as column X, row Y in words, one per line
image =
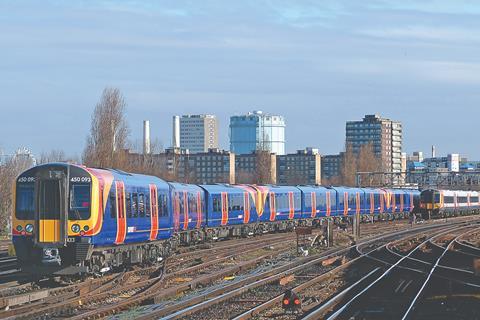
column 51, row 256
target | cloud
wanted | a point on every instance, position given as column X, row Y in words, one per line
column 450, row 34
column 413, row 71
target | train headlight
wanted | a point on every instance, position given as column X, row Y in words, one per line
column 85, row 228
column 76, row 228
column 19, row 228
column 29, row 228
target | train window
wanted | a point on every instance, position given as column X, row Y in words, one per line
column 462, row 200
column 113, row 205
column 351, row 200
column 79, row 202
column 232, row 202
column 147, row 205
column 192, row 203
column 25, row 202
column 473, row 199
column 308, row 200
column 321, row 200
column 162, row 205
column 129, row 204
column 397, row 198
column 216, row 204
column 141, row 205
column 181, row 203
column 426, row 196
column 297, row 199
column 448, row 199
column 134, row 205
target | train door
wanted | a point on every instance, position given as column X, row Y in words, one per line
column 153, row 212
column 313, row 200
column 372, row 202
column 51, row 217
column 329, row 207
column 246, row 207
column 224, row 208
column 358, row 203
column 345, row 204
column 273, row 205
column 120, row 207
column 291, row 205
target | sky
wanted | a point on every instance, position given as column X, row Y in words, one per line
column 318, row 63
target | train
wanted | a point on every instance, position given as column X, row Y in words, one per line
column 73, row 220
column 443, row 203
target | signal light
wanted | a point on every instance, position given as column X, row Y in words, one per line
column 291, row 302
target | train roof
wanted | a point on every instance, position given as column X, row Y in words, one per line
column 222, row 188
column 184, row 186
column 313, row 188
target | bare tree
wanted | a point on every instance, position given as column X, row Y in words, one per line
column 367, row 160
column 244, row 177
column 108, row 132
column 8, row 173
column 349, row 167
column 264, row 167
column 52, row 156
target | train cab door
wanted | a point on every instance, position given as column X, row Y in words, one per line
column 120, row 207
column 51, row 202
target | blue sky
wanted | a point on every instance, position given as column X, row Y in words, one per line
column 319, row 63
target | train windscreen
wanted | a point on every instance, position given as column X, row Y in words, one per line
column 427, row 196
column 25, row 201
column 79, row 202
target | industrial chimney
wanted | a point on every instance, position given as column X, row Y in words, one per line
column 176, row 132
column 146, row 137
column 433, row 151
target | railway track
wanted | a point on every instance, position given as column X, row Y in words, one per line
column 38, row 294
column 263, row 289
column 190, row 273
column 135, row 290
column 394, row 292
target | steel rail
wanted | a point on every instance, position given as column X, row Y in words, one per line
column 224, row 296
column 346, row 305
column 429, row 276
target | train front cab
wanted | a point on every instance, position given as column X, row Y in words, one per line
column 430, row 202
column 53, row 209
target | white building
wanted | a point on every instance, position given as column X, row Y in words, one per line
column 257, row 131
column 198, row 132
column 449, row 163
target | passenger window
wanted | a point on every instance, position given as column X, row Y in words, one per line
column 163, row 205
column 162, row 211
column 129, row 204
column 147, row 206
column 216, row 204
column 113, row 206
column 134, row 205
column 141, row 205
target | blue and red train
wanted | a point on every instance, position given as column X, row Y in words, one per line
column 70, row 219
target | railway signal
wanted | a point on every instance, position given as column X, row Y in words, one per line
column 291, row 301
